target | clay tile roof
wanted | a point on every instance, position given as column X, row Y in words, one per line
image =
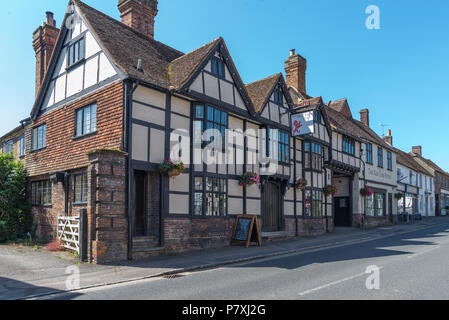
column 259, row 91
column 407, row 160
column 352, row 127
column 181, row 69
column 338, row 105
column 126, row 46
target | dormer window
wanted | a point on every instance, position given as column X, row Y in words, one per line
column 218, row 67
column 75, row 52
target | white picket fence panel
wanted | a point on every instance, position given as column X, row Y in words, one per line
column 69, row 233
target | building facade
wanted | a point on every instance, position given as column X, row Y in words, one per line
column 440, row 181
column 415, row 185
column 112, row 104
column 14, row 142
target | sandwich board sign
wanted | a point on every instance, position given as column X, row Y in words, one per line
column 246, row 231
column 302, row 123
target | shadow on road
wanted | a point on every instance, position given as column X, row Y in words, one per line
column 365, row 250
column 14, row 290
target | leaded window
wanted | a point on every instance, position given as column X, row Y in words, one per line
column 210, row 197
column 41, row 192
column 39, row 137
column 313, row 156
column 218, row 67
column 75, row 52
column 313, row 203
column 81, row 187
column 86, row 120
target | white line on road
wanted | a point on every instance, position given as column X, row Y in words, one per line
column 423, row 252
column 333, row 283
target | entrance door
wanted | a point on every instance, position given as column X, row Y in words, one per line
column 271, row 207
column 342, row 212
column 147, row 208
column 140, row 205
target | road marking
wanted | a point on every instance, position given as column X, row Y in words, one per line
column 423, row 252
column 333, row 283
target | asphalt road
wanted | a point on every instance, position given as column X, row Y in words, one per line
column 410, row 266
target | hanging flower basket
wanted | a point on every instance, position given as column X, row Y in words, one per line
column 398, row 196
column 330, row 190
column 301, row 184
column 248, row 179
column 366, row 192
column 172, row 168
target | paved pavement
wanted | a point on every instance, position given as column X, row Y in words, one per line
column 28, row 273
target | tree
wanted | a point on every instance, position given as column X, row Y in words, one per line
column 15, row 214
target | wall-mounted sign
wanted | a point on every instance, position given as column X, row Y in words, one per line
column 302, row 105
column 302, row 123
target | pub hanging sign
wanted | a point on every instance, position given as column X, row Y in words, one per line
column 302, row 123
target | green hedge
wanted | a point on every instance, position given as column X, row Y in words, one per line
column 15, row 214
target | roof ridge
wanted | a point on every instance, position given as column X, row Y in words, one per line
column 196, row 50
column 145, row 37
column 265, row 79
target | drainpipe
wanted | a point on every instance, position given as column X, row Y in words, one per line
column 66, row 191
column 128, row 89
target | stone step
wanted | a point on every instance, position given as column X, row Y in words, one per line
column 271, row 236
column 145, row 242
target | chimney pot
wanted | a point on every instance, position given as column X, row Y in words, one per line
column 364, row 117
column 417, row 150
column 389, row 139
column 292, row 52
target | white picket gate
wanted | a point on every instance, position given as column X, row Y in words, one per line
column 69, row 232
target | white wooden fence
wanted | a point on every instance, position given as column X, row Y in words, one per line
column 69, row 232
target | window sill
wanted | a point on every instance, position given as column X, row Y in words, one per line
column 79, row 204
column 38, row 150
column 75, row 65
column 84, row 136
column 42, row 205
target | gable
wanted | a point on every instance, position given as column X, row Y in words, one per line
column 63, row 82
column 226, row 87
column 276, row 110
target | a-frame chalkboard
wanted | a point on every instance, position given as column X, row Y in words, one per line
column 246, row 231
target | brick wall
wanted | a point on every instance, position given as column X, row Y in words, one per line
column 106, row 209
column 63, row 152
column 183, row 234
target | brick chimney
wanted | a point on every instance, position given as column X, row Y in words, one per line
column 44, row 41
column 364, row 116
column 139, row 15
column 417, row 150
column 295, row 70
column 389, row 139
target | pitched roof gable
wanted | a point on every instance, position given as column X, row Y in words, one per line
column 183, row 68
column 261, row 90
column 341, row 106
column 126, row 46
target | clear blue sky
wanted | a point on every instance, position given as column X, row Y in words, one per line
column 399, row 72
